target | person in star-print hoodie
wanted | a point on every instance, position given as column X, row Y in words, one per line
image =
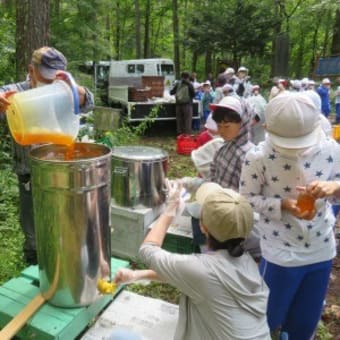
column 297, row 246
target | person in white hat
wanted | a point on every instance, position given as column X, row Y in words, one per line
column 279, row 87
column 290, row 180
column 242, row 84
column 324, row 92
column 207, row 98
column 233, row 122
column 258, row 104
column 223, row 294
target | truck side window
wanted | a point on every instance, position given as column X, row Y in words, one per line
column 140, row 68
column 167, row 69
column 131, row 68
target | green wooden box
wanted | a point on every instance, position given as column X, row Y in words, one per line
column 49, row 322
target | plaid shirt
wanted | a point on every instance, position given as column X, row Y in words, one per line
column 225, row 169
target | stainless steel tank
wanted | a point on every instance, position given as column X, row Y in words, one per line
column 138, row 176
column 71, row 200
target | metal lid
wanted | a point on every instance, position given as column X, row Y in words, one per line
column 139, row 153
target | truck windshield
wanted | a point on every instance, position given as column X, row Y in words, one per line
column 167, row 69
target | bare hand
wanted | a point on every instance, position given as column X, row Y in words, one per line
column 290, row 205
column 4, row 102
column 321, row 189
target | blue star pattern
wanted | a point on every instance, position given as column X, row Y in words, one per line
column 275, row 176
column 329, row 159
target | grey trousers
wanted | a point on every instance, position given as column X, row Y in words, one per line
column 184, row 118
column 26, row 215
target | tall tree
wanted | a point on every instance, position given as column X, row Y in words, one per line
column 138, row 30
column 335, row 49
column 147, row 43
column 32, row 31
column 176, row 36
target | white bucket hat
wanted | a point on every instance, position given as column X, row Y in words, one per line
column 293, row 121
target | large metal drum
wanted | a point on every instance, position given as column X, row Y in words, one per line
column 138, row 176
column 71, row 200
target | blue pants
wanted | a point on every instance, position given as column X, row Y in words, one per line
column 337, row 113
column 296, row 297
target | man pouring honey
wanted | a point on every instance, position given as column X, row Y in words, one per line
column 47, row 65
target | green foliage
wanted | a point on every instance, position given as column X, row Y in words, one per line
column 158, row 291
column 7, row 48
column 128, row 134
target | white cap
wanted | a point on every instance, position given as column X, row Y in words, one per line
column 229, row 70
column 207, row 82
column 242, row 69
column 227, row 87
column 304, row 81
column 326, row 81
column 293, row 121
column 230, row 103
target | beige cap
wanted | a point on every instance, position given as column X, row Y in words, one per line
column 225, row 213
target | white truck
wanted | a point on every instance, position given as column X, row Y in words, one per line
column 137, row 86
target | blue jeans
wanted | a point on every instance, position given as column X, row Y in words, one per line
column 337, row 113
column 296, row 297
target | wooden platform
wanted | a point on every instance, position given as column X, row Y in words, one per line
column 49, row 322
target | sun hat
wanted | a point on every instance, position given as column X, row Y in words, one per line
column 242, row 69
column 210, row 123
column 227, row 88
column 325, row 81
column 229, row 70
column 207, row 82
column 224, row 212
column 293, row 121
column 229, row 102
column 49, row 60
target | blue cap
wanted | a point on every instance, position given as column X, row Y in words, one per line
column 49, row 60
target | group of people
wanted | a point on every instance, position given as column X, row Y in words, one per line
column 265, row 258
column 266, row 261
column 323, row 90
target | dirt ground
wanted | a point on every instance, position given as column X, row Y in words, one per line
column 331, row 315
column 180, row 166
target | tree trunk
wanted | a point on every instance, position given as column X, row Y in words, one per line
column 117, row 31
column 176, row 37
column 194, row 61
column 327, row 33
column 335, row 49
column 208, row 62
column 138, row 30
column 32, row 31
column 147, row 30
column 314, row 49
column 299, row 59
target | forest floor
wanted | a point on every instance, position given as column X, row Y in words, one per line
column 180, row 166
